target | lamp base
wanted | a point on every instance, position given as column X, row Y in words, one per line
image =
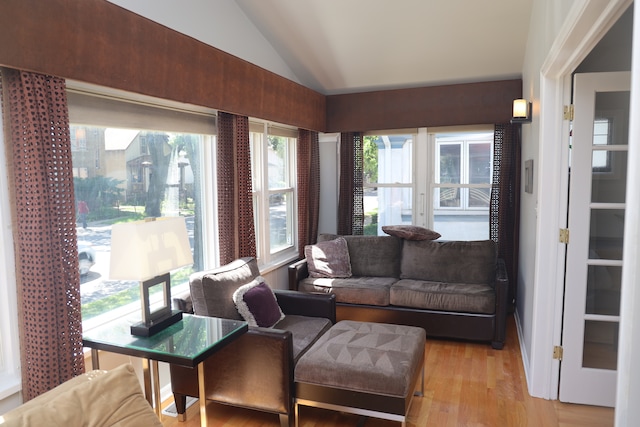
column 143, row 330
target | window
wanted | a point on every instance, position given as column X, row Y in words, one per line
column 462, row 185
column 138, row 159
column 388, row 181
column 439, row 179
column 9, row 347
column 273, row 181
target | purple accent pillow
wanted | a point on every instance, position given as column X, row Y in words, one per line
column 257, row 304
column 410, row 232
column 328, row 259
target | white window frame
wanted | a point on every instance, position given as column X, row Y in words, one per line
column 464, row 142
column 125, row 117
column 10, row 376
column 268, row 260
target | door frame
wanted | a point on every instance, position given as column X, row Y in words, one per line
column 584, row 26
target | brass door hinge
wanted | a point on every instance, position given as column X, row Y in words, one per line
column 557, row 352
column 564, row 235
column 568, row 112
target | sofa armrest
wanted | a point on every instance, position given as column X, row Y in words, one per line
column 502, row 303
column 254, row 371
column 297, row 271
column 305, row 304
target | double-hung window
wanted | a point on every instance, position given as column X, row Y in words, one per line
column 273, row 170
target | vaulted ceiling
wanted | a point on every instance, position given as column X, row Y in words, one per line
column 346, row 46
column 360, row 45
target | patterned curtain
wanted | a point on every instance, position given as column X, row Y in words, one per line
column 350, row 198
column 308, row 152
column 504, row 211
column 235, row 202
column 48, row 281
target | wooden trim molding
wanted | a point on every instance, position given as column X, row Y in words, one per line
column 97, row 42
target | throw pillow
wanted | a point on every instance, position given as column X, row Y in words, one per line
column 410, row 232
column 328, row 259
column 257, row 304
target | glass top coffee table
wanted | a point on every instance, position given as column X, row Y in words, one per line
column 186, row 343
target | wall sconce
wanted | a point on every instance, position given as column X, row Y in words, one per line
column 147, row 251
column 521, row 111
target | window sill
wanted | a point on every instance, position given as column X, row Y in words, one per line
column 11, row 384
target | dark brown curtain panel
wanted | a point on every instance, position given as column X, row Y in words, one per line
column 504, row 211
column 350, row 198
column 48, row 281
column 235, row 203
column 308, row 152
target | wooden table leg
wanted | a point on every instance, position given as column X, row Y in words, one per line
column 202, row 396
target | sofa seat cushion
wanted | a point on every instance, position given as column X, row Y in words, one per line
column 457, row 297
column 305, row 331
column 355, row 290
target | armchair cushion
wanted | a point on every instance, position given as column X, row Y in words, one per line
column 212, row 290
column 257, row 304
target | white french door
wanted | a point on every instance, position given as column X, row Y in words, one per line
column 597, row 188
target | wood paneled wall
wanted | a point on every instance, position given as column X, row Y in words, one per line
column 97, row 42
column 461, row 104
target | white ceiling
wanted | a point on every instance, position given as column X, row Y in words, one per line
column 343, row 46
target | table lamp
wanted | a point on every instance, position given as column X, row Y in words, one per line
column 147, row 251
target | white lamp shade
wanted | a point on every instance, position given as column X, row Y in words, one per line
column 142, row 250
column 520, row 108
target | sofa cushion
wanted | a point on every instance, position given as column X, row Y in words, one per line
column 449, row 262
column 257, row 304
column 305, row 331
column 328, row 259
column 354, row 290
column 97, row 398
column 457, row 297
column 374, row 256
column 212, row 291
column 411, row 232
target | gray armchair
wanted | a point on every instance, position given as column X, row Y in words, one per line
column 256, row 370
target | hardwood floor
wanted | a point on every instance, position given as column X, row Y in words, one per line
column 466, row 384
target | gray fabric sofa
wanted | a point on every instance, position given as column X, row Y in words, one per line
column 452, row 289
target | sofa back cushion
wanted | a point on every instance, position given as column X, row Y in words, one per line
column 212, row 290
column 372, row 256
column 449, row 262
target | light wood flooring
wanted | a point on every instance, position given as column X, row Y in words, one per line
column 466, row 384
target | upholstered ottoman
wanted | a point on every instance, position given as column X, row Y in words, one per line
column 363, row 368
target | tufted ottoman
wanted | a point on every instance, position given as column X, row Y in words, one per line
column 363, row 368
